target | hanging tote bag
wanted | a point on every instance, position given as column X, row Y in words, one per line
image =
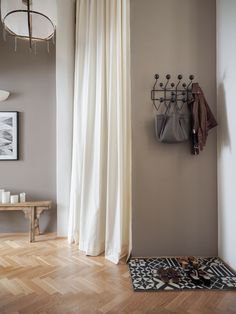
column 172, row 127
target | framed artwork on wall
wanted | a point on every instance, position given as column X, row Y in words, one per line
column 9, row 127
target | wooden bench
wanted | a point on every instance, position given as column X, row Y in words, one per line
column 32, row 211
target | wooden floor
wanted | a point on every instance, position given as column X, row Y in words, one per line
column 51, row 276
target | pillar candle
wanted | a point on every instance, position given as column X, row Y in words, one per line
column 14, row 199
column 1, row 192
column 5, row 197
column 22, row 197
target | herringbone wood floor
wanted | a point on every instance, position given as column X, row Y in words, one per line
column 51, row 276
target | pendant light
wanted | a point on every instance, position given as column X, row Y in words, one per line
column 31, row 20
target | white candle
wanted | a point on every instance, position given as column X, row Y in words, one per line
column 5, row 197
column 1, row 192
column 22, row 197
column 14, row 199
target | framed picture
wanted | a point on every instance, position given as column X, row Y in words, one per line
column 9, row 125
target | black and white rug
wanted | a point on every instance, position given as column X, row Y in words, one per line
column 144, row 275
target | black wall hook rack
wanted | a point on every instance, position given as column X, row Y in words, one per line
column 170, row 92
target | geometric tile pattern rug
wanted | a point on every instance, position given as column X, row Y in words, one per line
column 144, row 274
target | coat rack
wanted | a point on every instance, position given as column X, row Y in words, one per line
column 168, row 93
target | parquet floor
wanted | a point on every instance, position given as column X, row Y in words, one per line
column 51, row 276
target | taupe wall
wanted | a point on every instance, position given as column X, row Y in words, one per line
column 174, row 193
column 31, row 80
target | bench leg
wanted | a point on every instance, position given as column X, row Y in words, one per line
column 32, row 224
column 33, row 214
column 37, row 230
column 38, row 212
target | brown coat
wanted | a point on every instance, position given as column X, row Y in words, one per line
column 202, row 119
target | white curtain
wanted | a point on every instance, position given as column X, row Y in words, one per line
column 100, row 203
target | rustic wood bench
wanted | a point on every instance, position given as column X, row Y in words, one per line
column 32, row 211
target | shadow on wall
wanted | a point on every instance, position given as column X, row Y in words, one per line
column 18, row 222
column 223, row 124
column 224, row 141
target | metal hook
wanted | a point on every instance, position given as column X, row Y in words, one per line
column 166, row 94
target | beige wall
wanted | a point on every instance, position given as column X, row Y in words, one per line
column 226, row 77
column 174, row 193
column 31, row 80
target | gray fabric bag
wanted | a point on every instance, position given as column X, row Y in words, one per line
column 172, row 127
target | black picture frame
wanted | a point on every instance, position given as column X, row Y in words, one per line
column 9, row 135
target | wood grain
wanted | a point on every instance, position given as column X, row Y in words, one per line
column 18, row 206
column 51, row 276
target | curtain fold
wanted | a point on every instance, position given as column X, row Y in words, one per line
column 100, row 201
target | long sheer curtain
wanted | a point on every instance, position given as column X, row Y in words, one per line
column 100, row 202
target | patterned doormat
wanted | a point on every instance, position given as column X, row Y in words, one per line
column 145, row 276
